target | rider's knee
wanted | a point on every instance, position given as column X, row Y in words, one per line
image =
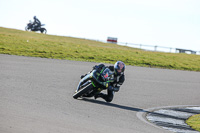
column 109, row 99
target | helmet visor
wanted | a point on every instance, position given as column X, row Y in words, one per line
column 119, row 70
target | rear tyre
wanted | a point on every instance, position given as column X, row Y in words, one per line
column 43, row 30
column 83, row 91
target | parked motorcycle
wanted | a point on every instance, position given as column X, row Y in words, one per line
column 93, row 83
column 31, row 27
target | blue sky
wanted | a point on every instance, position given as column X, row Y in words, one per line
column 169, row 23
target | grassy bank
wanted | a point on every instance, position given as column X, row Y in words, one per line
column 194, row 122
column 17, row 42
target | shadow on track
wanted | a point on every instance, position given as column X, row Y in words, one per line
column 114, row 105
column 132, row 109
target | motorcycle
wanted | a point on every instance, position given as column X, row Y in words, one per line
column 93, row 83
column 31, row 27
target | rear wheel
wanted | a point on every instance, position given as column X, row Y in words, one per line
column 43, row 30
column 83, row 91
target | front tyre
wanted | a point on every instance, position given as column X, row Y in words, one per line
column 83, row 91
column 26, row 28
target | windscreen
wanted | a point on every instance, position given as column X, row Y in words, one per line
column 107, row 75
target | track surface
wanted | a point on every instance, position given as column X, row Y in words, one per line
column 36, row 97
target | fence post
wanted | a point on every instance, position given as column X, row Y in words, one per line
column 156, row 47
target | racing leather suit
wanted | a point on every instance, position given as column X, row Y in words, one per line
column 36, row 23
column 113, row 87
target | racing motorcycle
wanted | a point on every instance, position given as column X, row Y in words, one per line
column 93, row 83
column 31, row 27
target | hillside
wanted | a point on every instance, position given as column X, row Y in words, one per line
column 23, row 43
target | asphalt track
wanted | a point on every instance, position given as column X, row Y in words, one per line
column 36, row 97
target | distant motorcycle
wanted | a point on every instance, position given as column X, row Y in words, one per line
column 31, row 27
column 93, row 83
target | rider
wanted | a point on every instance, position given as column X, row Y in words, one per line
column 119, row 78
column 36, row 23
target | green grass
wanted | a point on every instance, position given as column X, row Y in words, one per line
column 194, row 122
column 17, row 42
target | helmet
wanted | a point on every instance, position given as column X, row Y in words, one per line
column 34, row 17
column 119, row 67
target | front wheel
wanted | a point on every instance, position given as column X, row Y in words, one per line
column 83, row 91
column 27, row 28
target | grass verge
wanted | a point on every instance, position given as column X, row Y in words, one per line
column 194, row 122
column 17, row 42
